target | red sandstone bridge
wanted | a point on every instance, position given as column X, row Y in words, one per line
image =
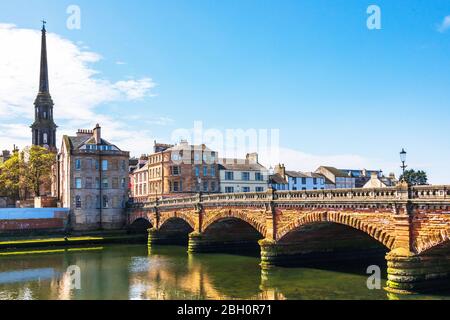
column 411, row 225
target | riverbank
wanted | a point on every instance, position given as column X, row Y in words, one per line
column 12, row 243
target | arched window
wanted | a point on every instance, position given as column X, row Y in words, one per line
column 45, row 138
column 78, row 202
column 88, row 202
column 105, row 202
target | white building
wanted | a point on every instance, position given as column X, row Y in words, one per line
column 293, row 180
column 242, row 175
column 338, row 178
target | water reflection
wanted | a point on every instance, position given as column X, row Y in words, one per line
column 129, row 272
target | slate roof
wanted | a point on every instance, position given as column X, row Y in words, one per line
column 76, row 142
column 240, row 165
column 337, row 172
column 277, row 179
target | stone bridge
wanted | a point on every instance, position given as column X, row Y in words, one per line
column 409, row 226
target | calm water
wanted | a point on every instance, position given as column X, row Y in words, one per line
column 130, row 272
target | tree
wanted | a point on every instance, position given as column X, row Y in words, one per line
column 39, row 162
column 12, row 177
column 26, row 172
column 415, row 178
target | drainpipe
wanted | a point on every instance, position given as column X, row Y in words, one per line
column 101, row 187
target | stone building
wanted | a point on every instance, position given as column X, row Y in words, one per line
column 44, row 128
column 176, row 170
column 93, row 181
column 139, row 181
column 380, row 181
column 338, row 178
column 243, row 175
column 296, row 180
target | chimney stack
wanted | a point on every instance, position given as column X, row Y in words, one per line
column 98, row 134
column 281, row 170
column 252, row 158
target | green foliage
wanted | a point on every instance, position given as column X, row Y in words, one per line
column 26, row 172
column 415, row 178
column 11, row 177
column 39, row 168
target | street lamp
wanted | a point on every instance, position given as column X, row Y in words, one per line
column 403, row 160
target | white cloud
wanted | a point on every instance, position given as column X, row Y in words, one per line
column 76, row 87
column 301, row 161
column 445, row 24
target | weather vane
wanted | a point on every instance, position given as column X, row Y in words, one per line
column 43, row 23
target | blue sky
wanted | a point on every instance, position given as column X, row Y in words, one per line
column 312, row 69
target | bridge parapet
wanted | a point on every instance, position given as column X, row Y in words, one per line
column 392, row 195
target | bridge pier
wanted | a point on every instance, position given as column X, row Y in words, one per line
column 409, row 273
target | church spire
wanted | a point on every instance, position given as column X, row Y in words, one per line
column 43, row 80
column 43, row 127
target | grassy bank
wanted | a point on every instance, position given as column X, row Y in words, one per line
column 97, row 238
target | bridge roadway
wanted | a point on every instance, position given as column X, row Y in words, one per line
column 410, row 226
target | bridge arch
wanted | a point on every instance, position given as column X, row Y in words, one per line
column 172, row 216
column 140, row 225
column 258, row 224
column 374, row 231
column 435, row 241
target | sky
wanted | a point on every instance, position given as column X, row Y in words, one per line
column 336, row 92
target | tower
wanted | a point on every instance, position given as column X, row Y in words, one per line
column 44, row 128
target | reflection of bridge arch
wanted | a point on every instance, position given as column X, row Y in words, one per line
column 339, row 218
column 257, row 224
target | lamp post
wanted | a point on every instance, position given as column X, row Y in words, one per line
column 403, row 160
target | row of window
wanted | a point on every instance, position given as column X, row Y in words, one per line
column 206, row 157
column 243, row 189
column 245, row 176
column 212, row 171
column 106, row 164
column 99, row 147
column 304, row 180
column 285, row 187
column 104, row 202
column 206, row 186
column 116, row 183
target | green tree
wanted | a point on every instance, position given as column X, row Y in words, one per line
column 415, row 178
column 12, row 177
column 39, row 162
column 26, row 172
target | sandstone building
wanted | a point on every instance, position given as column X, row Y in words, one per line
column 176, row 170
column 92, row 181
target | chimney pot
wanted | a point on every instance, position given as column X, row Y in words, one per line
column 97, row 132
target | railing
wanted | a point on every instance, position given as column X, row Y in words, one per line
column 381, row 195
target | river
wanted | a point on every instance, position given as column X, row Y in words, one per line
column 122, row 272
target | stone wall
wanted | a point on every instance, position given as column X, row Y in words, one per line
column 31, row 220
